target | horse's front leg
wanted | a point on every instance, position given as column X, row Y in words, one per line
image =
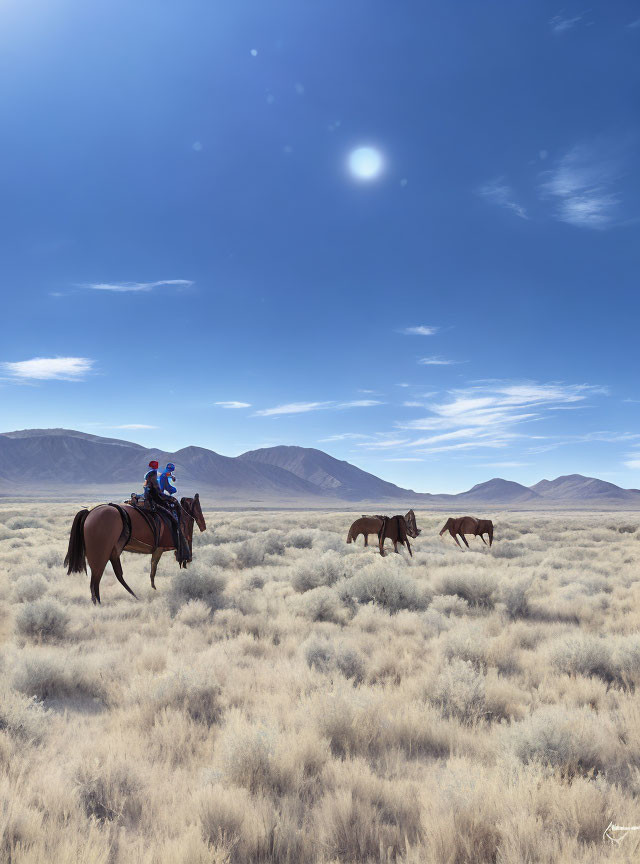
column 366, row 539
column 464, row 540
column 409, row 547
column 395, row 547
column 155, row 557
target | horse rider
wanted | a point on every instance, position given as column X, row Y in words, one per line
column 167, row 491
column 151, row 482
column 165, row 480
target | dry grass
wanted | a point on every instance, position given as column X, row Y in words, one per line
column 289, row 698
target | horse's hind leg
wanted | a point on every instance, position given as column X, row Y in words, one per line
column 409, row 547
column 395, row 547
column 366, row 539
column 117, row 569
column 97, row 565
column 155, row 557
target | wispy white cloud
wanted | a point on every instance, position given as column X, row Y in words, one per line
column 359, row 403
column 561, row 23
column 635, row 25
column 383, row 445
column 633, row 463
column 49, row 368
column 582, row 184
column 134, row 426
column 293, row 408
column 304, row 407
column 403, row 459
column 436, row 361
column 420, row 330
column 500, row 193
column 126, row 287
column 233, row 404
column 413, row 405
column 345, row 436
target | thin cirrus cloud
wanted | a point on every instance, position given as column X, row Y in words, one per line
column 49, row 369
column 233, row 404
column 134, row 426
column 436, row 361
column 420, row 330
column 582, row 187
column 562, row 24
column 129, row 287
column 305, row 407
column 489, row 415
column 498, row 192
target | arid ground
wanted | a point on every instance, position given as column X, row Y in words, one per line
column 291, row 698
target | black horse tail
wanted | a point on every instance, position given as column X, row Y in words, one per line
column 76, row 560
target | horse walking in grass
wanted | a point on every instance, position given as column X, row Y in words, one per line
column 365, row 525
column 101, row 535
column 468, row 525
column 398, row 529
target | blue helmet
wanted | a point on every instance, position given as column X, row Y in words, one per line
column 170, row 466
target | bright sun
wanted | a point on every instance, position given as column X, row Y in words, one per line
column 365, row 163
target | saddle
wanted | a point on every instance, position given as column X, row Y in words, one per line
column 156, row 511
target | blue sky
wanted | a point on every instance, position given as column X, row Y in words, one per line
column 181, row 230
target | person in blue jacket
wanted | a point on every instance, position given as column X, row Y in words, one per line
column 165, row 480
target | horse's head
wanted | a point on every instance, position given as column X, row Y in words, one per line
column 193, row 508
column 412, row 528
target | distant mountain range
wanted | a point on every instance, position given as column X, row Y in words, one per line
column 50, row 460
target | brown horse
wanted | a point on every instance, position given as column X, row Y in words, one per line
column 398, row 529
column 102, row 534
column 469, row 525
column 365, row 525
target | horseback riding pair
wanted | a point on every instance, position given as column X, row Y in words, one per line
column 157, row 496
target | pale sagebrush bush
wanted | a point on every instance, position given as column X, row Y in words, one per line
column 22, row 717
column 252, row 756
column 43, row 619
column 258, row 549
column 478, row 588
column 324, row 604
column 572, row 741
column 468, row 641
column 19, row 523
column 299, row 539
column 193, row 694
column 393, row 590
column 313, row 572
column 30, row 587
column 515, row 596
column 110, row 789
column 197, row 583
column 52, row 675
column 319, row 653
column 350, row 663
column 434, row 623
column 255, row 581
column 450, row 604
column 194, row 613
column 216, row 556
column 508, row 550
column 584, row 655
column 460, row 692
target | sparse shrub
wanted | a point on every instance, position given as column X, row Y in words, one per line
column 508, row 550
column 253, row 552
column 319, row 654
column 194, row 613
column 571, row 741
column 30, row 587
column 467, row 642
column 193, row 583
column 192, row 694
column 478, row 589
column 450, row 604
column 21, row 716
column 255, row 581
column 460, row 692
column 43, row 619
column 216, row 556
column 299, row 539
column 47, row 675
column 110, row 791
column 584, row 655
column 390, row 589
column 351, row 663
column 323, row 570
column 324, row 604
column 515, row 596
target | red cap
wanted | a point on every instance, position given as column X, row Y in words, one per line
column 153, row 464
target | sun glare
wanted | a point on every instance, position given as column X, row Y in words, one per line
column 365, row 163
